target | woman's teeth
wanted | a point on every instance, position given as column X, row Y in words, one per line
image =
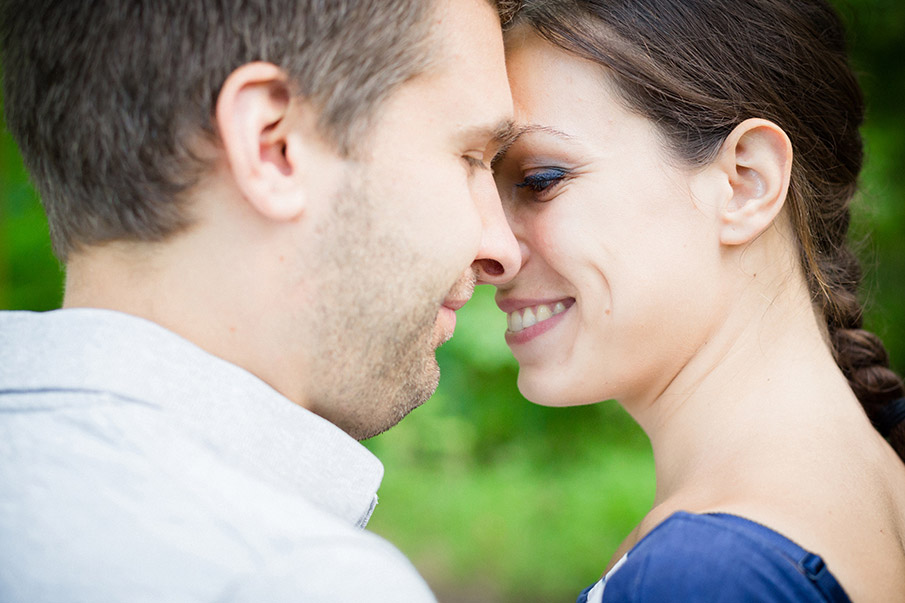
column 528, row 317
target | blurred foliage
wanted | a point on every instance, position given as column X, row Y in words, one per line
column 497, row 499
column 30, row 276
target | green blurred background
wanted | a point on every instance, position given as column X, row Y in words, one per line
column 492, row 497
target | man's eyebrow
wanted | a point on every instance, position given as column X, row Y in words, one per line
column 517, row 132
column 503, row 131
column 497, row 133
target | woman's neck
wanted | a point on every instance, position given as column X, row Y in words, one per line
column 762, row 382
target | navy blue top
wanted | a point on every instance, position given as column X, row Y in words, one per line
column 716, row 557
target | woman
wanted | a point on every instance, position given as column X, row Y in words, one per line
column 679, row 186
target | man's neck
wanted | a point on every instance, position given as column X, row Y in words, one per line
column 192, row 285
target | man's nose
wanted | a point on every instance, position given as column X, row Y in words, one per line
column 498, row 258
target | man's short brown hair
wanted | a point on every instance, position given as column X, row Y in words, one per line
column 105, row 98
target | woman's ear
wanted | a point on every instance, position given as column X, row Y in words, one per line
column 262, row 139
column 756, row 158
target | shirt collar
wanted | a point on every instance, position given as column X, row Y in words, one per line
column 252, row 426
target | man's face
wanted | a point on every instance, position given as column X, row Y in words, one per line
column 405, row 239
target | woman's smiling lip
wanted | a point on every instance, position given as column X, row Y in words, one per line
column 513, row 304
column 528, row 318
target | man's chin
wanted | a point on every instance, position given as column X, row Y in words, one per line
column 385, row 407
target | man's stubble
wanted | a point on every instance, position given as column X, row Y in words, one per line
column 373, row 355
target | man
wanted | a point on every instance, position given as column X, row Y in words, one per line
column 269, row 212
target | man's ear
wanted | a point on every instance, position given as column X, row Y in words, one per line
column 262, row 139
column 756, row 158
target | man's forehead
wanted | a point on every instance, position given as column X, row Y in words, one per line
column 465, row 83
column 457, row 24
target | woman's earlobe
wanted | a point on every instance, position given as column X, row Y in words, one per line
column 757, row 159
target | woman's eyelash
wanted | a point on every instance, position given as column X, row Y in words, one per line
column 538, row 182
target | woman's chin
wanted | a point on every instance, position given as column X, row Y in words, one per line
column 548, row 392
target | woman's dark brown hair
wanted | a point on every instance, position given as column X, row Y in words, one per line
column 697, row 69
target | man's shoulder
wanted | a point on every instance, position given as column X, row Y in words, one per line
column 359, row 567
column 141, row 472
column 124, row 508
column 196, row 559
column 77, row 348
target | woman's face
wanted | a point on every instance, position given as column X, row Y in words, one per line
column 619, row 286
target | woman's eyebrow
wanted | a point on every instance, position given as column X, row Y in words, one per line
column 519, row 131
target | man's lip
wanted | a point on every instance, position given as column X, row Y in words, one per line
column 509, row 305
column 454, row 304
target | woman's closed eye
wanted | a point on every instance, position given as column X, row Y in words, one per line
column 543, row 181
